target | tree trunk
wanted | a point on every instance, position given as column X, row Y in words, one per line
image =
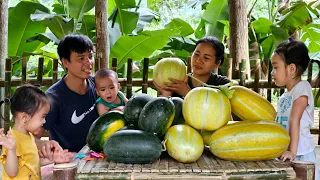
column 102, row 50
column 239, row 36
column 3, row 44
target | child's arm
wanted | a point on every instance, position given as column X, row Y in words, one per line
column 102, row 109
column 299, row 105
column 11, row 166
column 124, row 97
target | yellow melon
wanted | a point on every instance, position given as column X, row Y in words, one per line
column 249, row 141
column 169, row 68
column 206, row 135
column 206, row 108
column 184, row 143
column 249, row 105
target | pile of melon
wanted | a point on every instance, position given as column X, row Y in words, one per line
column 184, row 127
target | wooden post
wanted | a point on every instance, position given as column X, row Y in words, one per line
column 269, row 82
column 239, row 35
column 229, row 68
column 40, row 71
column 102, row 50
column 242, row 72
column 114, row 64
column 145, row 75
column 24, row 71
column 65, row 171
column 257, row 75
column 55, row 71
column 304, row 170
column 129, row 79
column 3, row 45
column 7, row 93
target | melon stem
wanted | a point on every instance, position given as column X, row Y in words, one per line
column 224, row 88
column 164, row 148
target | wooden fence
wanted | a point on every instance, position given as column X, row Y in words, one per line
column 129, row 82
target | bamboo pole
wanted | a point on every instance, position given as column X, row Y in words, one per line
column 3, row 45
column 114, row 64
column 269, row 82
column 242, row 72
column 129, row 79
column 309, row 72
column 24, row 71
column 40, row 71
column 189, row 65
column 229, row 68
column 55, row 71
column 145, row 75
column 7, row 93
column 257, row 75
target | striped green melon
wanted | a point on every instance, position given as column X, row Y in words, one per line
column 184, row 143
column 249, row 105
column 169, row 68
column 249, row 141
column 206, row 135
column 206, row 108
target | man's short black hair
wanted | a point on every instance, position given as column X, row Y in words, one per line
column 74, row 43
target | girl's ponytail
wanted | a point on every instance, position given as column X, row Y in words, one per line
column 6, row 100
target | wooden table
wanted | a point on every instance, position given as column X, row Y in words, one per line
column 207, row 167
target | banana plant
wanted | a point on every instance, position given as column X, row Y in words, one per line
column 299, row 18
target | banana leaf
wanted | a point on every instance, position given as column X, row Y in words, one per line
column 141, row 46
column 20, row 28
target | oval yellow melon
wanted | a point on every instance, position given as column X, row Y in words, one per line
column 206, row 135
column 249, row 141
column 206, row 108
column 249, row 105
column 169, row 68
column 184, row 143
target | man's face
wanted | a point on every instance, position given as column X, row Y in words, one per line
column 80, row 64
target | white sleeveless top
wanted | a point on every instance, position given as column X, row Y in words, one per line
column 302, row 88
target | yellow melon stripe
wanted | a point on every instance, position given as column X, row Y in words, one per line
column 247, row 123
column 254, row 107
column 248, row 149
column 113, row 127
column 206, row 102
column 241, row 124
column 244, row 136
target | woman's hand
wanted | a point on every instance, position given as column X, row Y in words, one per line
column 287, row 155
column 8, row 140
column 178, row 86
column 164, row 92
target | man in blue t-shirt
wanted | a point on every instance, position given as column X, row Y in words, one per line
column 72, row 111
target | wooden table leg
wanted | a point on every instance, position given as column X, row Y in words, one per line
column 305, row 170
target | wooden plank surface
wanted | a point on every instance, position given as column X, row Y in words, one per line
column 206, row 166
